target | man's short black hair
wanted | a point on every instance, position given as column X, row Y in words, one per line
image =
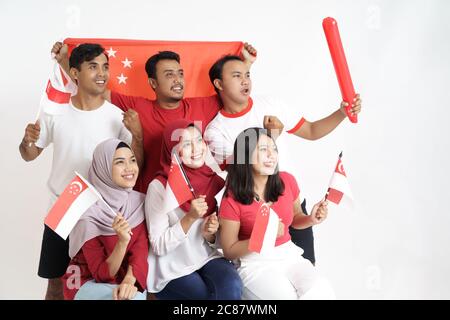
column 215, row 72
column 150, row 65
column 85, row 52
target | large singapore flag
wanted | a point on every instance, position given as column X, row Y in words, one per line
column 76, row 198
column 127, row 59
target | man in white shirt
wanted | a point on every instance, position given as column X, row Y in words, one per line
column 231, row 79
column 232, row 82
column 75, row 131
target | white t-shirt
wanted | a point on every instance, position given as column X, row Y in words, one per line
column 75, row 133
column 173, row 253
column 222, row 131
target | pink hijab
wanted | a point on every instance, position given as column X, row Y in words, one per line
column 98, row 219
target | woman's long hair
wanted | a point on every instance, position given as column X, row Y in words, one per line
column 240, row 173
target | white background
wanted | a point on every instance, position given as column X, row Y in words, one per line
column 395, row 244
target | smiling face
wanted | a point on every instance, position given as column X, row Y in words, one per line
column 192, row 148
column 169, row 82
column 124, row 168
column 236, row 84
column 265, row 156
column 93, row 75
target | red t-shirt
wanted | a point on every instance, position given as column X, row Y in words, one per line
column 246, row 214
column 91, row 260
column 154, row 119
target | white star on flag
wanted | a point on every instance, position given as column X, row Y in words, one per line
column 122, row 79
column 127, row 63
column 111, row 52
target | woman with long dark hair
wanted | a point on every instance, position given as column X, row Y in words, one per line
column 253, row 184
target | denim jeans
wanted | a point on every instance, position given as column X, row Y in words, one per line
column 216, row 280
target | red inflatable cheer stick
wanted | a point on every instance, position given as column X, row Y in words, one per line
column 340, row 64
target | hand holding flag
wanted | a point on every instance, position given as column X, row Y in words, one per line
column 58, row 92
column 60, row 52
column 32, row 132
column 209, row 227
column 122, row 228
column 319, row 212
column 199, row 207
column 211, row 224
column 73, row 202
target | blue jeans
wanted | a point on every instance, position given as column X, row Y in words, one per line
column 216, row 280
column 92, row 290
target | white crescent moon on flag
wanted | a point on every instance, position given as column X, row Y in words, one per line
column 78, row 187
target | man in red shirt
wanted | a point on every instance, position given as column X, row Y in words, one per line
column 165, row 76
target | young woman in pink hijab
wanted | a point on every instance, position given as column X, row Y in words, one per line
column 109, row 248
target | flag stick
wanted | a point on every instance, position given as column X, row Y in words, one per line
column 184, row 174
column 37, row 118
column 326, row 194
column 39, row 110
column 328, row 191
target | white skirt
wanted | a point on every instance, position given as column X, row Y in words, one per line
column 282, row 274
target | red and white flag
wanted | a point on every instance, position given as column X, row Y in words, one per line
column 265, row 230
column 127, row 60
column 178, row 189
column 76, row 198
column 60, row 88
column 339, row 187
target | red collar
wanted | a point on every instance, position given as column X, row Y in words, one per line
column 239, row 114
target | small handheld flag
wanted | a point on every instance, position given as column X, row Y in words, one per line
column 178, row 188
column 339, row 186
column 76, row 198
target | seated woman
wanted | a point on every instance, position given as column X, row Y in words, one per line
column 183, row 264
column 109, row 251
column 280, row 272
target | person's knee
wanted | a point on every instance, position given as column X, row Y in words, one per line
column 140, row 296
column 252, row 293
column 321, row 290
